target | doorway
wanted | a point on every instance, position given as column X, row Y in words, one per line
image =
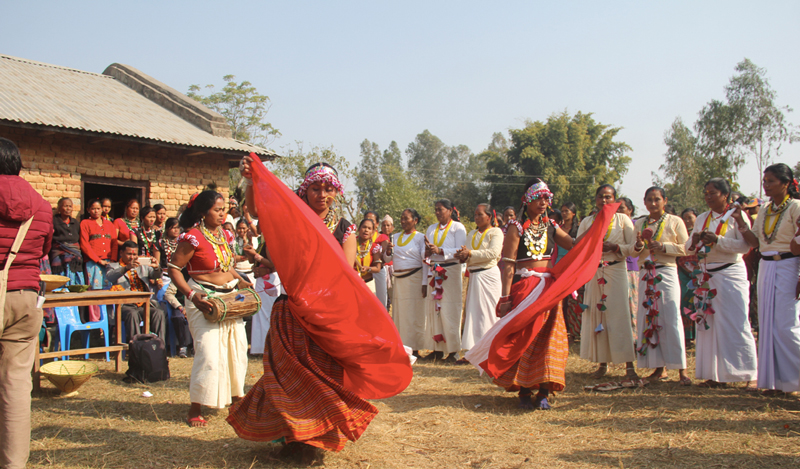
column 120, row 191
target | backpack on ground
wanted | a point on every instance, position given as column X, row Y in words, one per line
column 147, row 359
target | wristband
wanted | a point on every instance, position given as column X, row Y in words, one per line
column 191, row 295
column 504, row 299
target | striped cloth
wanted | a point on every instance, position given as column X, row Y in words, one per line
column 545, row 360
column 300, row 396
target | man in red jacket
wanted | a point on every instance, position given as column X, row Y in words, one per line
column 20, row 319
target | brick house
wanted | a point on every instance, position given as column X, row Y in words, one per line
column 120, row 134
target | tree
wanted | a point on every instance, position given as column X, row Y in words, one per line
column 368, row 173
column 683, row 166
column 243, row 107
column 427, row 160
column 291, row 169
column 750, row 125
column 573, row 154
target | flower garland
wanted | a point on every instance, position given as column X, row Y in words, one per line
column 438, row 242
column 221, row 247
column 480, row 241
column 698, row 286
column 650, row 303
column 408, row 240
column 438, row 275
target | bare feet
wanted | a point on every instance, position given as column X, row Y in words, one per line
column 525, row 402
column 302, row 453
column 659, row 374
column 601, row 371
column 630, row 371
column 195, row 417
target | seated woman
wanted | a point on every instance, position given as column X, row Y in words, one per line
column 65, row 253
column 220, row 349
column 369, row 257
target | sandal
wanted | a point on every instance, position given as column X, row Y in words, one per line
column 199, row 419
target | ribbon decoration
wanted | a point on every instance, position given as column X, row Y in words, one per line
column 651, row 326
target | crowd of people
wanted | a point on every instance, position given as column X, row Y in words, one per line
column 633, row 291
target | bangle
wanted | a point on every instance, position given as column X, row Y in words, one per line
column 191, row 295
column 505, row 299
column 508, row 259
column 173, row 266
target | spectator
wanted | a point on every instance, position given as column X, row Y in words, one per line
column 20, row 320
column 106, row 204
column 146, row 236
column 686, row 268
column 129, row 222
column 166, row 247
column 65, row 254
column 98, row 245
column 129, row 274
column 161, row 217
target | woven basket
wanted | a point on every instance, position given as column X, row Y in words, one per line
column 51, row 282
column 68, row 375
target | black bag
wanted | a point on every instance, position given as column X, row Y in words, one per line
column 147, row 359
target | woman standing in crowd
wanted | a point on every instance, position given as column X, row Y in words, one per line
column 65, row 252
column 387, row 228
column 606, row 334
column 726, row 349
column 661, row 237
column 220, row 349
column 509, row 213
column 407, row 253
column 775, row 234
column 128, row 223
column 444, row 304
column 301, row 396
column 484, row 245
column 161, row 217
column 146, row 236
column 243, row 239
column 571, row 305
column 166, row 247
column 98, row 245
column 369, row 258
column 627, row 208
column 686, row 266
column 106, row 204
column 527, row 348
column 381, row 239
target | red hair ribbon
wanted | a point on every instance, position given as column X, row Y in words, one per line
column 794, row 183
column 494, row 218
column 191, row 199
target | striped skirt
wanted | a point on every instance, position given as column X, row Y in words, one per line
column 300, row 397
column 545, row 360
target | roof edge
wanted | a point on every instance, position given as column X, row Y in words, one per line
column 171, row 99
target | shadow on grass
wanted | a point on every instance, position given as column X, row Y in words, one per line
column 677, row 457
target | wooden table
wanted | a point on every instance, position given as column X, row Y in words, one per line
column 90, row 298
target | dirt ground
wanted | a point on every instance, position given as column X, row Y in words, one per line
column 449, row 417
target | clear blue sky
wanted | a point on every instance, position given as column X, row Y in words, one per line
column 340, row 72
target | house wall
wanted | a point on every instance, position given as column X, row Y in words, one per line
column 54, row 164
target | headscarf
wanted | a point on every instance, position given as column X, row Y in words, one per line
column 536, row 191
column 320, row 173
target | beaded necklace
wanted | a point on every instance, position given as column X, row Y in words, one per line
column 408, row 240
column 149, row 241
column 131, row 224
column 169, row 246
column 722, row 228
column 330, row 220
column 535, row 239
column 364, row 252
column 438, row 242
column 480, row 242
column 777, row 213
column 659, row 226
column 220, row 245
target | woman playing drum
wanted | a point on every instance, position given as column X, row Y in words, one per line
column 220, row 349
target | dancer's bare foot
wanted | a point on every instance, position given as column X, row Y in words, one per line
column 195, row 417
column 525, row 402
column 659, row 374
column 601, row 371
column 302, row 453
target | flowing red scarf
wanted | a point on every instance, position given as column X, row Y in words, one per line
column 326, row 295
column 573, row 270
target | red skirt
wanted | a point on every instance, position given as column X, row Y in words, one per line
column 300, row 396
column 545, row 359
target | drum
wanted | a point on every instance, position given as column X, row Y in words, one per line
column 232, row 305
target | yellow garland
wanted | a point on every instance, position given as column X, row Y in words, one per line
column 408, row 240
column 480, row 243
column 773, row 213
column 444, row 236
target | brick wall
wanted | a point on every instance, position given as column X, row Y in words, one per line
column 54, row 164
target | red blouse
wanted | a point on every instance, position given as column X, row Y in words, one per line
column 204, row 260
column 124, row 232
column 98, row 242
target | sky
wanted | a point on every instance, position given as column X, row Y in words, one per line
column 341, row 72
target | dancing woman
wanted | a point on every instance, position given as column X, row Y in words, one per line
column 220, row 348
column 443, row 292
column 408, row 304
column 660, row 238
column 775, row 233
column 322, row 354
column 527, row 349
column 726, row 349
column 484, row 245
column 606, row 333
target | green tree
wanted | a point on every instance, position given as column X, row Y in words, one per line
column 683, row 168
column 368, row 174
column 749, row 125
column 427, row 162
column 571, row 153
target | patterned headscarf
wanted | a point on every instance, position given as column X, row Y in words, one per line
column 320, row 173
column 536, row 191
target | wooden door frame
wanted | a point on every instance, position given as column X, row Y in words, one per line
column 141, row 184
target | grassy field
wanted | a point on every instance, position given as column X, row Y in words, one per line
column 449, row 417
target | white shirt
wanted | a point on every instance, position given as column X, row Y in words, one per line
column 410, row 256
column 452, row 242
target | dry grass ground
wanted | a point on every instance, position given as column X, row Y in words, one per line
column 448, row 417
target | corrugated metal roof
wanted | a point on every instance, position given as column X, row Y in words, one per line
column 38, row 93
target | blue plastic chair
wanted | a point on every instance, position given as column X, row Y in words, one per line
column 69, row 321
column 171, row 338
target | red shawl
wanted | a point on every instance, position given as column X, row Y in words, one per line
column 570, row 273
column 326, row 295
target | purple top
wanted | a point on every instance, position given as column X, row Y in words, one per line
column 633, row 265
